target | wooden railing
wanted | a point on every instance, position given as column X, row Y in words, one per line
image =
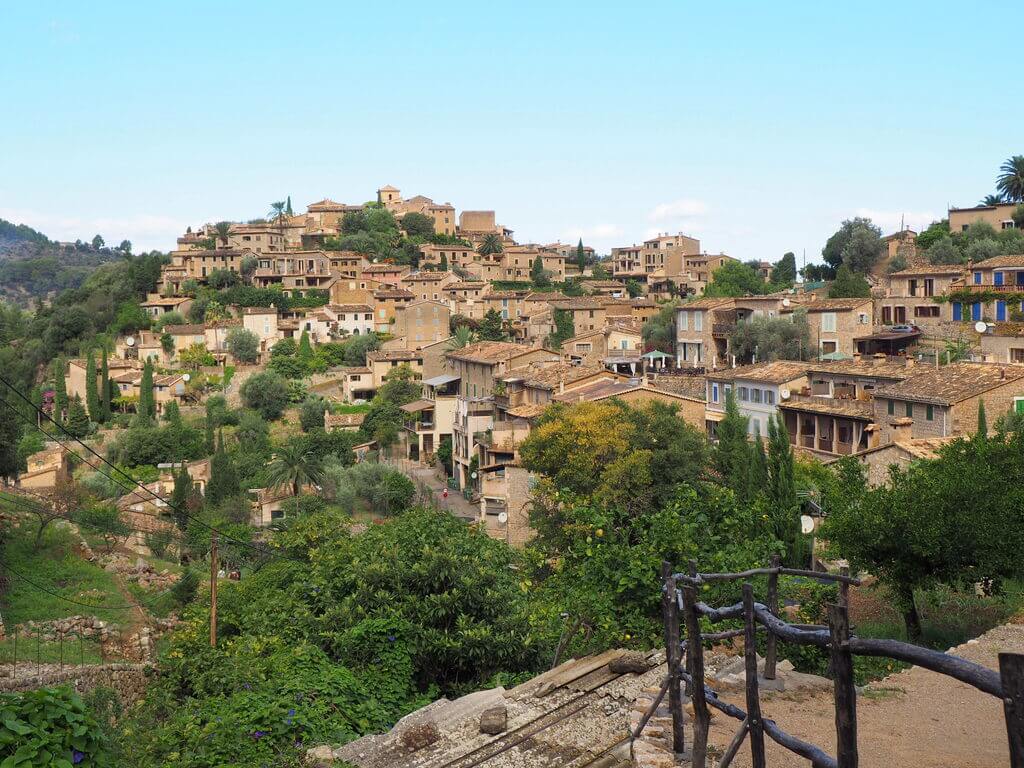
column 685, row 657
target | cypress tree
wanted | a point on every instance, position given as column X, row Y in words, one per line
column 782, row 488
column 288, row 206
column 304, row 354
column 223, row 478
column 147, row 406
column 211, row 446
column 444, row 262
column 732, row 454
column 10, row 433
column 581, row 256
column 60, row 392
column 180, row 496
column 758, row 467
column 106, row 395
column 92, row 398
column 78, row 419
column 982, row 432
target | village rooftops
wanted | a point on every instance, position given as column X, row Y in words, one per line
column 330, row 206
column 1009, row 260
column 426, row 276
column 829, row 305
column 393, row 293
column 863, row 410
column 488, row 352
column 776, row 372
column 379, row 355
column 706, row 303
column 260, row 311
column 350, row 307
column 185, row 330
column 577, row 303
column 605, row 389
column 165, row 301
column 385, row 268
column 466, row 285
column 949, row 384
column 868, row 368
column 931, row 269
column 551, row 377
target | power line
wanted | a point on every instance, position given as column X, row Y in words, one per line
column 121, row 472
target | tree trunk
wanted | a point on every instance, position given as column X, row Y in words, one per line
column 912, row 620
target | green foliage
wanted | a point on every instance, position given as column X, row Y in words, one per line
column 564, row 329
column 772, row 338
column 849, row 285
column 944, row 251
column 492, row 327
column 660, row 331
column 732, row 453
column 490, row 244
column 1010, row 182
column 417, row 225
column 734, row 278
column 311, row 413
column 634, row 288
column 784, row 270
column 147, row 444
column 538, row 275
column 49, row 727
column 106, row 390
column 368, row 487
column 856, row 244
column 60, row 391
column 104, row 520
column 294, row 466
column 92, row 397
column 267, row 393
column 78, row 420
column 11, row 426
column 897, row 263
column 223, row 483
column 196, row 356
column 146, row 409
column 243, row 345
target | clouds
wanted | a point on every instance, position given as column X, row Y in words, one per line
column 678, row 209
column 146, row 231
column 890, row 221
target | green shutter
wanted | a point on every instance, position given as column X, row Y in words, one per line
column 892, row 407
column 929, row 412
column 910, row 410
column 1018, row 405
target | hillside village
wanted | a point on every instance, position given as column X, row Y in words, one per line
column 366, row 389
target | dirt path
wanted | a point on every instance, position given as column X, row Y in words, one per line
column 914, row 718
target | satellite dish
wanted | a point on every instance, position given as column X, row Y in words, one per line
column 473, row 475
column 806, row 524
column 784, row 393
column 981, row 326
column 187, row 377
column 786, row 302
column 130, row 341
column 503, row 517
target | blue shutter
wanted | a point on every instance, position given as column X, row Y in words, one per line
column 1000, row 311
column 999, row 278
column 976, row 311
column 977, row 278
column 958, row 311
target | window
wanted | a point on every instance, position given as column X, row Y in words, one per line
column 755, row 395
column 886, row 315
column 929, row 412
column 977, row 278
column 769, row 396
column 892, row 407
column 1017, row 355
column 714, row 393
column 1018, row 404
column 910, row 410
column 862, row 318
column 744, row 395
column 828, row 322
column 684, row 321
column 926, row 311
column 698, row 321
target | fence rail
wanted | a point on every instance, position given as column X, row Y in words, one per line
column 685, row 657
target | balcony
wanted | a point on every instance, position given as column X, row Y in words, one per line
column 989, row 288
column 722, row 330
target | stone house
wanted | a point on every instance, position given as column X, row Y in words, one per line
column 1003, row 343
column 464, row 298
column 423, row 322
column 427, row 286
column 836, row 323
column 382, row 362
column 758, row 390
column 999, row 217
column 909, row 296
column 387, row 303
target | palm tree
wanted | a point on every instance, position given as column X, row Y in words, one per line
column 294, row 467
column 991, row 200
column 462, row 337
column 1010, row 183
column 222, row 228
column 491, row 244
column 277, row 210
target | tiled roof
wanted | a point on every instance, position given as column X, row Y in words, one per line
column 689, row 386
column 528, row 410
column 466, row 285
column 343, row 420
column 831, row 406
column 950, row 384
column 883, row 369
column 350, row 307
column 1009, row 330
column 260, row 311
column 931, row 269
column 829, row 305
column 550, row 376
column 394, row 293
column 393, row 354
column 489, row 351
column 706, row 303
column 776, row 372
column 184, row 330
column 1009, row 260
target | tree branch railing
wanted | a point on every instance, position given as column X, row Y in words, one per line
column 679, row 598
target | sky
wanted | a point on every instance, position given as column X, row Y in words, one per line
column 757, row 127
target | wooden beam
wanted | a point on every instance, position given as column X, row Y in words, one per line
column 845, row 691
column 757, row 756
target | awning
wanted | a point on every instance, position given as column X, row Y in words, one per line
column 657, row 354
column 417, row 405
column 713, row 415
column 438, row 381
column 834, row 356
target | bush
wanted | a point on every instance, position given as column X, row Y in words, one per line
column 49, row 727
column 266, row 392
column 243, row 345
column 156, row 445
column 311, row 414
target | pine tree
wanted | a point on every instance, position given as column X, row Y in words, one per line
column 223, row 478
column 147, row 407
column 106, row 396
column 180, row 497
column 60, row 392
column 982, row 432
column 732, row 455
column 92, row 398
column 78, row 419
column 11, row 425
column 581, row 256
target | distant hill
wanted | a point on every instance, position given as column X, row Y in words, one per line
column 32, row 266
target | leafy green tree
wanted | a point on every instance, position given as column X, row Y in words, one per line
column 462, row 337
column 848, row 285
column 105, row 521
column 418, row 225
column 106, row 390
column 444, row 262
column 732, row 453
column 772, row 338
column 97, row 242
column 294, row 467
column 935, row 231
column 945, row 251
column 1018, row 216
column 277, row 210
column 195, row 356
column 92, row 398
column 223, row 229
column 243, row 345
column 311, row 413
column 223, row 483
column 130, row 318
column 11, row 426
column 147, row 406
column 304, row 353
column 863, row 249
column 538, row 275
column 492, row 327
column 897, row 263
column 660, row 331
column 1010, row 182
column 781, row 490
column 784, row 271
column 991, row 200
column 564, row 329
column 266, row 392
column 858, row 254
column 735, row 279
column 490, row 244
column 78, row 419
column 979, row 250
column 288, row 206
column 634, row 289
column 60, row 390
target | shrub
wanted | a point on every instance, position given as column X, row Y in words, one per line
column 266, row 392
column 49, row 727
column 311, row 414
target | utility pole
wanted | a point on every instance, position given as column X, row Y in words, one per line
column 213, row 591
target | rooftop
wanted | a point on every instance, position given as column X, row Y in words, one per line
column 1009, row 260
column 185, row 330
column 489, row 352
column 829, row 305
column 952, row 383
column 931, row 269
column 706, row 303
column 882, row 369
column 550, row 376
column 776, row 372
column 393, row 354
column 831, row 406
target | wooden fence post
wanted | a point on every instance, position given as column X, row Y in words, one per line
column 670, row 611
column 845, row 692
column 772, row 601
column 754, row 721
column 1011, row 670
column 695, row 656
column 844, row 588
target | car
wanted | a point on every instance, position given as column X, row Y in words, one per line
column 902, row 328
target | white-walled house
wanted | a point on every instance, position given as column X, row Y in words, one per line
column 758, row 388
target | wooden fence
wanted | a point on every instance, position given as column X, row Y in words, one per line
column 685, row 657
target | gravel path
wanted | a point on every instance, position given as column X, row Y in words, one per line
column 913, row 718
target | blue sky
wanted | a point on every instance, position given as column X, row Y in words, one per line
column 757, row 127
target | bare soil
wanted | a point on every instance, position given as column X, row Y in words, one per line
column 913, row 718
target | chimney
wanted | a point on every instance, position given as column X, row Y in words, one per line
column 561, row 384
column 910, row 361
column 902, row 429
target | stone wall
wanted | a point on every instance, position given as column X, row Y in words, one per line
column 128, row 680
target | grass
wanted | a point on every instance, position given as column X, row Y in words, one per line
column 340, row 408
column 229, row 372
column 29, row 650
column 56, row 568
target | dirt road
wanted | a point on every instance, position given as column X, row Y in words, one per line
column 915, row 718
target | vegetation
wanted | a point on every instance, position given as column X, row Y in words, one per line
column 849, row 285
column 50, row 727
column 265, row 392
column 660, row 331
column 772, row 338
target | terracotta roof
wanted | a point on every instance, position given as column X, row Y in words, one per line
column 466, row 285
column 550, row 376
column 394, row 293
column 164, row 300
column 576, row 303
column 1009, row 260
column 528, row 410
column 931, row 269
column 950, row 384
column 343, row 420
column 184, row 330
column 882, row 369
column 427, row 276
column 350, row 307
column 260, row 311
column 829, row 305
column 832, row 406
column 393, row 354
column 689, row 386
column 705, row 303
column 777, row 372
column 489, row 352
column 384, row 268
